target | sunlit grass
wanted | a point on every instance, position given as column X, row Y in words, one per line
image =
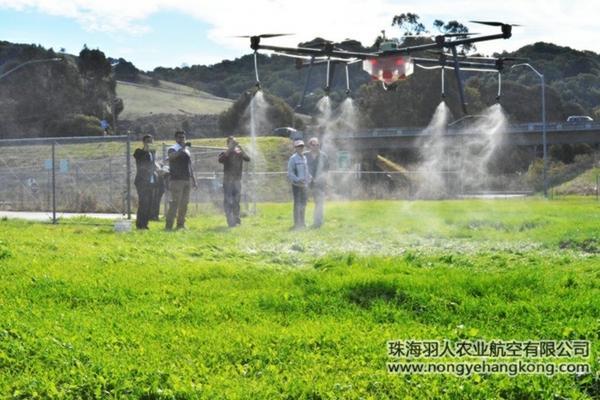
column 263, row 312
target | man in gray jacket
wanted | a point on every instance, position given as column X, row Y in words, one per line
column 299, row 176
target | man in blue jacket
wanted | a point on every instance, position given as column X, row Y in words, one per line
column 299, row 177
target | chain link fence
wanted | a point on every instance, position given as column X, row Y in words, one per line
column 83, row 175
column 95, row 175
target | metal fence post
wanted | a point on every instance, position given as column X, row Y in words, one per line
column 165, row 197
column 128, row 177
column 110, row 178
column 54, row 182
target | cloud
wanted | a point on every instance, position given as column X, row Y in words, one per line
column 570, row 23
column 102, row 16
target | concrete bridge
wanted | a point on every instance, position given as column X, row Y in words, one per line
column 528, row 134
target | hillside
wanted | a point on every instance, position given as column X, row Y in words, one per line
column 142, row 99
column 584, row 184
column 572, row 80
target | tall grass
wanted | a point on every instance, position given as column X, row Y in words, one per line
column 264, row 312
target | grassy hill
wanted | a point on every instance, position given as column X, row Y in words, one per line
column 143, row 99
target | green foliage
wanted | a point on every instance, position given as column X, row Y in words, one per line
column 260, row 312
column 125, row 70
column 278, row 74
column 236, row 119
column 39, row 99
column 77, row 125
column 410, row 23
column 93, row 63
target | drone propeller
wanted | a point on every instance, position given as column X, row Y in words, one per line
column 493, row 23
column 265, row 35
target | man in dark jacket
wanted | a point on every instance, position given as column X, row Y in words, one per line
column 145, row 181
column 181, row 180
column 233, row 160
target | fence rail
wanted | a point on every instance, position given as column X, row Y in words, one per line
column 94, row 174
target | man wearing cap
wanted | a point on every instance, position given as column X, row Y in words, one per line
column 299, row 176
column 318, row 166
column 233, row 160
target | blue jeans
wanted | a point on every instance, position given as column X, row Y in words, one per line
column 300, row 199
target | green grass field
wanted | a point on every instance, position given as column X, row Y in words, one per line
column 261, row 312
column 169, row 98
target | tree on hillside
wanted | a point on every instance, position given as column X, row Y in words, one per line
column 99, row 86
column 236, row 120
column 410, row 23
column 93, row 63
column 125, row 71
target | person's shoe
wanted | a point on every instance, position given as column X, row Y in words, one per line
column 181, row 228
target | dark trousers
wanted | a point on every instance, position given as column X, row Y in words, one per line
column 144, row 192
column 300, row 199
column 157, row 192
column 232, row 193
column 180, row 197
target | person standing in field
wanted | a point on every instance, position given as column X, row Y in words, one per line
column 318, row 167
column 299, row 177
column 233, row 161
column 181, row 180
column 145, row 180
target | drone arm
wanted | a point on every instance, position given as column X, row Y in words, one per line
column 458, row 80
column 427, row 62
column 317, row 52
column 459, row 42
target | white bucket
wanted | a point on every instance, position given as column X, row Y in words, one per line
column 123, row 225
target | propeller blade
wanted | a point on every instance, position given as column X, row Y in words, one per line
column 270, row 35
column 493, row 23
column 265, row 35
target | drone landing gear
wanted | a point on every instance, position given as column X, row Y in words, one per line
column 258, row 87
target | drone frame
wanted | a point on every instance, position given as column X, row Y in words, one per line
column 331, row 55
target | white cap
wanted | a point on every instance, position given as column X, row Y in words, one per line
column 298, row 143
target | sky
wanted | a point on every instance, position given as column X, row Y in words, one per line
column 152, row 33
